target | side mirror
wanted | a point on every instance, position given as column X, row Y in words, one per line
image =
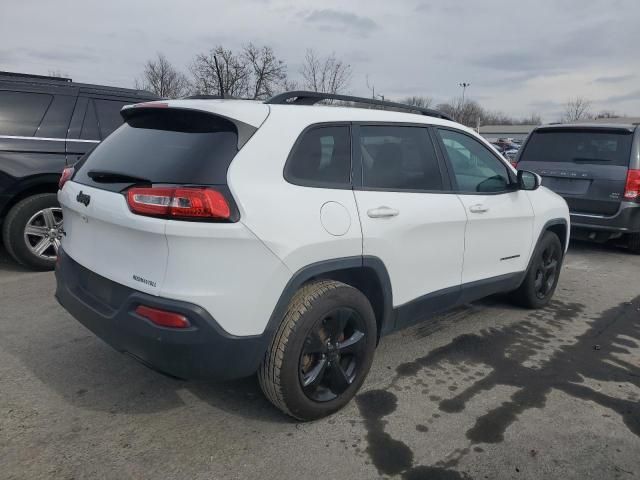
column 528, row 180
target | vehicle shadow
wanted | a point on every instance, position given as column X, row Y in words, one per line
column 8, row 264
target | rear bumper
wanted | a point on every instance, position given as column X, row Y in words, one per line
column 203, row 351
column 626, row 220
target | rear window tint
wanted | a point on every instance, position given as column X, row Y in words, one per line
column 21, row 112
column 322, row 157
column 579, row 146
column 166, row 146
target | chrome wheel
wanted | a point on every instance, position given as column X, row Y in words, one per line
column 43, row 233
column 332, row 355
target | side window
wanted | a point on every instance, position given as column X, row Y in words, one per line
column 322, row 157
column 109, row 117
column 399, row 158
column 475, row 167
column 21, row 112
column 90, row 124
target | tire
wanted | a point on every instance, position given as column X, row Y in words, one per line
column 316, row 310
column 44, row 216
column 536, row 292
column 634, row 243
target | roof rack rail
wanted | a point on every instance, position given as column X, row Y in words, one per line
column 35, row 77
column 311, row 98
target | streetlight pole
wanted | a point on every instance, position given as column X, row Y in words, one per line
column 464, row 86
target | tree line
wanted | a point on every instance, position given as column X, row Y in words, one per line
column 256, row 72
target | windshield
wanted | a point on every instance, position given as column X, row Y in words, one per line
column 579, row 146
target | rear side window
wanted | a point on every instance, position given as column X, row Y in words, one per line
column 579, row 146
column 399, row 158
column 90, row 124
column 109, row 117
column 21, row 112
column 168, row 146
column 321, row 158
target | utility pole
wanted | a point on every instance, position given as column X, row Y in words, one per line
column 464, row 86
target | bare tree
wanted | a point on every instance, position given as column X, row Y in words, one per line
column 268, row 73
column 578, row 108
column 418, row 101
column 220, row 72
column 467, row 112
column 607, row 114
column 255, row 72
column 163, row 79
column 326, row 75
column 58, row 73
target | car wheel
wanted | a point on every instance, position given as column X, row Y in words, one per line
column 634, row 243
column 322, row 351
column 32, row 231
column 542, row 276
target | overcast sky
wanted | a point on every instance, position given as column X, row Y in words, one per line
column 520, row 57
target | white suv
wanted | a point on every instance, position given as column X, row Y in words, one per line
column 220, row 238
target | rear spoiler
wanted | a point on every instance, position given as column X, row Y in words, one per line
column 245, row 131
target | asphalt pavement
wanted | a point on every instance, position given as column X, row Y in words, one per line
column 488, row 391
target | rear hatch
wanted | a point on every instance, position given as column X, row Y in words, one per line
column 586, row 165
column 158, row 148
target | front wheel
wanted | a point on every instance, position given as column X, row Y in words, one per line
column 322, row 351
column 542, row 276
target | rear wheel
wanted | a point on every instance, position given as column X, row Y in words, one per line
column 322, row 351
column 32, row 231
column 634, row 243
column 542, row 276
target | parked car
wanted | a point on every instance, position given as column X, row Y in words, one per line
column 219, row 238
column 47, row 123
column 596, row 168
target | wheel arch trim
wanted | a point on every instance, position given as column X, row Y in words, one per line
column 324, row 269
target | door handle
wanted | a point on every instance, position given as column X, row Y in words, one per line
column 478, row 208
column 382, row 212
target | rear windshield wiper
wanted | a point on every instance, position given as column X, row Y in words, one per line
column 105, row 176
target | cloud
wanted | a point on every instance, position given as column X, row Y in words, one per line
column 625, row 97
column 338, row 20
column 616, row 78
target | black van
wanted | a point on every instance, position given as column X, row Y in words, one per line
column 47, row 123
column 596, row 168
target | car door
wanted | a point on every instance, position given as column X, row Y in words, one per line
column 408, row 219
column 499, row 231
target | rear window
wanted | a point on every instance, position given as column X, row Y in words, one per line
column 579, row 146
column 21, row 112
column 165, row 146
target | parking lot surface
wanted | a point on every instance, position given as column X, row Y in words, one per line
column 487, row 391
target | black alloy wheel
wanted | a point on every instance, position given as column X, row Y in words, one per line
column 547, row 270
column 332, row 354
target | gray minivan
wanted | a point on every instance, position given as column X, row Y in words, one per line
column 596, row 168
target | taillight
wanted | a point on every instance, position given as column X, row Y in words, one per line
column 67, row 173
column 632, row 188
column 181, row 202
column 163, row 318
